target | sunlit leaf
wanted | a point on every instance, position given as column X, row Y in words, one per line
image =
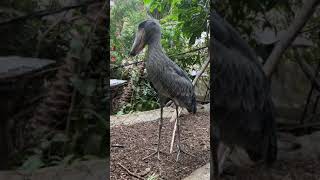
column 147, row 2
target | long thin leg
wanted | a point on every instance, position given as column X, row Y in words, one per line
column 159, row 134
column 180, row 150
column 178, row 130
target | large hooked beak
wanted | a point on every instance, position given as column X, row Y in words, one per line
column 138, row 44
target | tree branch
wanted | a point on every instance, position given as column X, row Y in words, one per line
column 293, row 30
column 192, row 50
column 124, row 65
column 42, row 13
column 130, row 173
column 307, row 69
column 204, row 67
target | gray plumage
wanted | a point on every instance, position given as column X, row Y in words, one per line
column 242, row 108
column 169, row 80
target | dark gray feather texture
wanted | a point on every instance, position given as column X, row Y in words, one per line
column 243, row 111
column 169, row 79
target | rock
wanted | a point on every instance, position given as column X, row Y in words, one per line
column 12, row 66
column 89, row 170
column 202, row 173
column 289, row 94
column 310, row 147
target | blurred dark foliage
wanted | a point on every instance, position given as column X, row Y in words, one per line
column 76, row 128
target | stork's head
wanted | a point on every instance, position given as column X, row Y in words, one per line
column 149, row 32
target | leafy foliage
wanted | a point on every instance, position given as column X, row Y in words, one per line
column 144, row 97
column 81, row 133
column 189, row 17
column 125, row 15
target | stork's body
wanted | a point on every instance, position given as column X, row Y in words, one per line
column 169, row 80
column 242, row 108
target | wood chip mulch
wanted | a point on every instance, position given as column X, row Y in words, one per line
column 130, row 144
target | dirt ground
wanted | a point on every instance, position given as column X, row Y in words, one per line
column 129, row 144
column 282, row 170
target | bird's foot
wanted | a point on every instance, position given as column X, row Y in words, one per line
column 180, row 150
column 157, row 152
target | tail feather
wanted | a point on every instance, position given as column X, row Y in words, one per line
column 254, row 156
column 267, row 151
column 272, row 150
column 193, row 106
column 272, row 147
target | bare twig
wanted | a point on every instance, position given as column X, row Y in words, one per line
column 45, row 71
column 73, row 98
column 300, row 126
column 311, row 29
column 293, row 30
column 130, row 173
column 204, row 67
column 306, row 69
column 42, row 13
column 67, row 130
column 192, row 50
column 118, row 145
column 10, row 11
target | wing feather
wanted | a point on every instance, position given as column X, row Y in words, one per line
column 171, row 81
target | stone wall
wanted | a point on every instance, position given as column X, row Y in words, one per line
column 290, row 88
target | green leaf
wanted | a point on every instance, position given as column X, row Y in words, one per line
column 85, row 87
column 99, row 117
column 120, row 113
column 59, row 138
column 68, row 159
column 86, row 56
column 45, row 144
column 154, row 6
column 32, row 163
column 147, row 2
column 76, row 47
column 90, row 157
column 174, row 2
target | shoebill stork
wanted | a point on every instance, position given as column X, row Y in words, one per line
column 168, row 79
column 242, row 109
